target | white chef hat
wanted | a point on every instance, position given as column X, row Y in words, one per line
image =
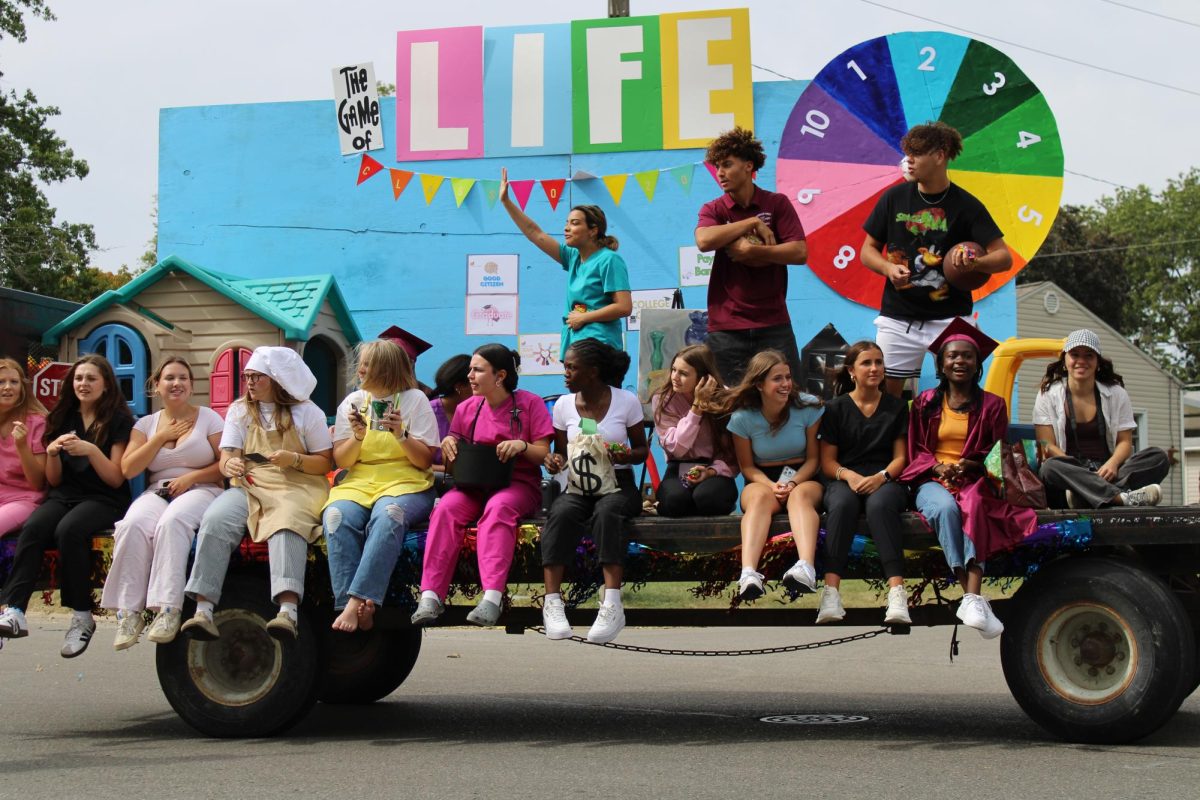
column 286, row 368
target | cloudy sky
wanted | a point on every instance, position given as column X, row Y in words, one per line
column 1123, row 78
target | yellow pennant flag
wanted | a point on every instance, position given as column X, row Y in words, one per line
column 616, row 185
column 461, row 187
column 431, row 183
column 648, row 180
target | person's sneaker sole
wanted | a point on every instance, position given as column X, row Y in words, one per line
column 9, row 633
column 196, row 629
column 485, row 615
column 752, row 591
column 796, row 585
column 897, row 618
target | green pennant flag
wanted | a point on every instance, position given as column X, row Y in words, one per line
column 648, row 180
column 683, row 176
column 461, row 187
column 491, row 191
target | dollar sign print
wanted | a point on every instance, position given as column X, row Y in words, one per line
column 581, row 472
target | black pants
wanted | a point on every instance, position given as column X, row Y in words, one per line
column 734, row 349
column 1061, row 473
column 884, row 507
column 573, row 516
column 68, row 527
column 712, row 497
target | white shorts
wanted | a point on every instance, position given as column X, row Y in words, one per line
column 905, row 343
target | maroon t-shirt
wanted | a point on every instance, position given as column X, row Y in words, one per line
column 741, row 297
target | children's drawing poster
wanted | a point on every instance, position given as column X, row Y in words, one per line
column 539, row 353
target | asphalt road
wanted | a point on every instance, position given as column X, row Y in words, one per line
column 494, row 716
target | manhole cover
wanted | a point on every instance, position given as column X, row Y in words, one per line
column 813, row 719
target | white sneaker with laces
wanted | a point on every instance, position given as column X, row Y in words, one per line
column 165, row 626
column 975, row 612
column 994, row 626
column 13, row 625
column 554, row 619
column 610, row 620
column 1146, row 496
column 750, row 586
column 129, row 629
column 801, row 577
column 831, row 609
column 897, row 607
column 79, row 635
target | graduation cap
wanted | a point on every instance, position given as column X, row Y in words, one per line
column 413, row 345
column 960, row 331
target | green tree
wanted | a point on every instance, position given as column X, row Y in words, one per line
column 38, row 252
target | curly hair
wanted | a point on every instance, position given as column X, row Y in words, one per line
column 747, row 394
column 611, row 364
column 1057, row 371
column 739, row 143
column 930, row 137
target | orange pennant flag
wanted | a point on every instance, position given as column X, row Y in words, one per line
column 368, row 168
column 431, row 183
column 616, row 185
column 554, row 191
column 400, row 179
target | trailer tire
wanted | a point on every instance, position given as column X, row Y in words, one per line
column 360, row 668
column 1098, row 650
column 245, row 684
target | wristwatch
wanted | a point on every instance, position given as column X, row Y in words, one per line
column 887, row 476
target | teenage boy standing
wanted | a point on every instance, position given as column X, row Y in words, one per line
column 919, row 221
column 755, row 234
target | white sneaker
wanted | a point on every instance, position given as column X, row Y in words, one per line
column 129, row 629
column 897, row 607
column 165, row 626
column 609, row 622
column 1146, row 496
column 554, row 619
column 801, row 577
column 831, row 609
column 750, row 586
column 975, row 612
column 79, row 635
column 13, row 625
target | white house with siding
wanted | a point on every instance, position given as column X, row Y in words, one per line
column 1045, row 310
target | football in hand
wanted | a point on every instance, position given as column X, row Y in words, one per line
column 964, row 277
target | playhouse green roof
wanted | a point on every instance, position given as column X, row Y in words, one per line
column 290, row 304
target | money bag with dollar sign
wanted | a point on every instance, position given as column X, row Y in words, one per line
column 589, row 469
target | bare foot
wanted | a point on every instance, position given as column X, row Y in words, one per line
column 366, row 615
column 347, row 621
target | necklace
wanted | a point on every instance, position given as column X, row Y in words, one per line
column 933, row 202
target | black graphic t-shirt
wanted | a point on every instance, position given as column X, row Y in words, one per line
column 919, row 233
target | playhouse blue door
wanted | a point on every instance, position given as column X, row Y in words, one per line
column 124, row 349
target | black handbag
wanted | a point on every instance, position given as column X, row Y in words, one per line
column 477, row 466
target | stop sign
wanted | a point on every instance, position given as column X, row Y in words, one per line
column 47, row 384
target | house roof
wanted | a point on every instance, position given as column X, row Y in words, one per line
column 290, row 304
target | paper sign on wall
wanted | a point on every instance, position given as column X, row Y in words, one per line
column 357, row 102
column 539, row 353
column 491, row 314
column 492, row 274
column 694, row 267
column 644, row 299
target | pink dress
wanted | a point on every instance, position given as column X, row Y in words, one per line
column 17, row 498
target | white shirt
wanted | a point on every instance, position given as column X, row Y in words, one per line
column 307, row 417
column 414, row 409
column 1050, row 409
column 624, row 412
column 193, row 453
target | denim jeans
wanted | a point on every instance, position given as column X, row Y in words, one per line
column 365, row 543
column 940, row 509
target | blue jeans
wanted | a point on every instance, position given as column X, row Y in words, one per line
column 941, row 510
column 365, row 543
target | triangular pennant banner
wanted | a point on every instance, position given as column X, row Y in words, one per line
column 461, row 187
column 712, row 171
column 400, row 179
column 521, row 190
column 368, row 168
column 491, row 191
column 431, row 183
column 683, row 176
column 554, row 191
column 616, row 185
column 648, row 180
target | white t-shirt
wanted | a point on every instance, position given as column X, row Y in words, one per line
column 624, row 412
column 307, row 417
column 193, row 453
column 414, row 409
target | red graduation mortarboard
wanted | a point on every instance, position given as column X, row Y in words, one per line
column 413, row 345
column 960, row 331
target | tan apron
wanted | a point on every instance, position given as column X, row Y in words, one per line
column 281, row 498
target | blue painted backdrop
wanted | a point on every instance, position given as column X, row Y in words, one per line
column 262, row 190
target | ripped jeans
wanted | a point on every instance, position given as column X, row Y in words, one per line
column 365, row 543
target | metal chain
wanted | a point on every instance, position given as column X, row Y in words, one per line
column 761, row 651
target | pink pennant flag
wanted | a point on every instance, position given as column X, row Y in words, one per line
column 521, row 190
column 712, row 171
